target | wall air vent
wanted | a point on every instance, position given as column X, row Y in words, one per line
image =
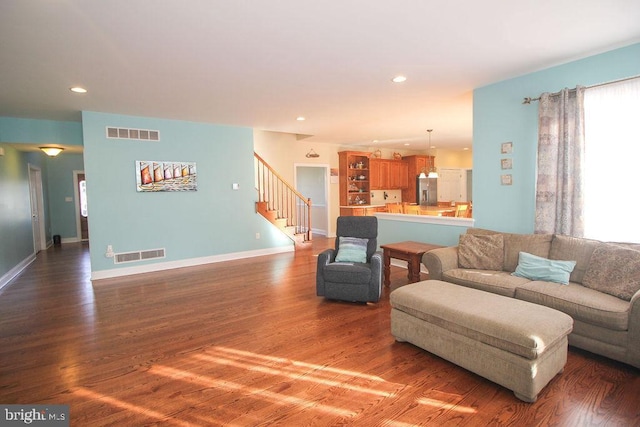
column 137, row 134
column 138, row 256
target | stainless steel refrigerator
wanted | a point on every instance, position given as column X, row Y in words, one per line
column 427, row 191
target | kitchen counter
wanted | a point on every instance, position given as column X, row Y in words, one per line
column 361, row 210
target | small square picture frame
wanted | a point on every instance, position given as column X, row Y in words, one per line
column 506, row 179
column 506, row 148
column 506, row 163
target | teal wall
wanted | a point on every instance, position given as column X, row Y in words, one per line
column 16, row 130
column 390, row 231
column 499, row 116
column 213, row 220
column 16, row 233
column 16, row 237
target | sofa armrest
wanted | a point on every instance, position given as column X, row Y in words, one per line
column 377, row 267
column 324, row 258
column 440, row 260
column 634, row 330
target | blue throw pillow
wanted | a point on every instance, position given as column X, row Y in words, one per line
column 352, row 249
column 537, row 268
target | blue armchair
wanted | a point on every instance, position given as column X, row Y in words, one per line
column 350, row 275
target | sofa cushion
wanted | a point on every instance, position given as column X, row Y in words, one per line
column 573, row 249
column 482, row 252
column 536, row 244
column 579, row 302
column 614, row 270
column 352, row 249
column 538, row 268
column 347, row 272
column 497, row 282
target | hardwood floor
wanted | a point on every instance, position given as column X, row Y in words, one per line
column 246, row 343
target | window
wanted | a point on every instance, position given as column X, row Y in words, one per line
column 612, row 161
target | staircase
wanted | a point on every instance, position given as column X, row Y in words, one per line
column 282, row 205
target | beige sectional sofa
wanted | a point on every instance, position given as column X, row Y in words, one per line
column 602, row 294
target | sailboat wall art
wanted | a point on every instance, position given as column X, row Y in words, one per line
column 153, row 176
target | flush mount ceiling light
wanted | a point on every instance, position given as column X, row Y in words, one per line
column 399, row 79
column 52, row 151
column 78, row 89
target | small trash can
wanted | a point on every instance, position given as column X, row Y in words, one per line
column 57, row 241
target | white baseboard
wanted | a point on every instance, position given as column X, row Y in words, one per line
column 69, row 240
column 5, row 279
column 318, row 232
column 149, row 268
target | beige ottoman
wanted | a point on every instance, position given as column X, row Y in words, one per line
column 514, row 343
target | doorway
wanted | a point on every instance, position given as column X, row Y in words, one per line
column 37, row 209
column 312, row 180
column 82, row 213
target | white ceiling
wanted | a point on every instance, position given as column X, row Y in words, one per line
column 260, row 63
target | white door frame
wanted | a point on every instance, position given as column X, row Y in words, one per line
column 37, row 208
column 327, row 170
column 76, row 196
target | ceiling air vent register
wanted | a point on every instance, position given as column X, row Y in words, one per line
column 137, row 134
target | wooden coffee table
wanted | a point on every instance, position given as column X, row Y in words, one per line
column 407, row 251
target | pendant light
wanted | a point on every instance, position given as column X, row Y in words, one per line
column 433, row 172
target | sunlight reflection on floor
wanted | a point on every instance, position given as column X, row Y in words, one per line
column 280, row 381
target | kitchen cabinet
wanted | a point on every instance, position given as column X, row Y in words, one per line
column 398, row 174
column 388, row 174
column 354, row 178
column 374, row 174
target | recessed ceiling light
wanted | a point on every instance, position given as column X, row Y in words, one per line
column 399, row 79
column 407, row 144
column 465, row 148
column 375, row 140
column 78, row 89
column 300, row 119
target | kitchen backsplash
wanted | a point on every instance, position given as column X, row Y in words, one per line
column 393, row 196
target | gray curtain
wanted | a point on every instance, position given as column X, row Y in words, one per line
column 559, row 190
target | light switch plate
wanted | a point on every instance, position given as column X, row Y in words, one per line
column 235, row 186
